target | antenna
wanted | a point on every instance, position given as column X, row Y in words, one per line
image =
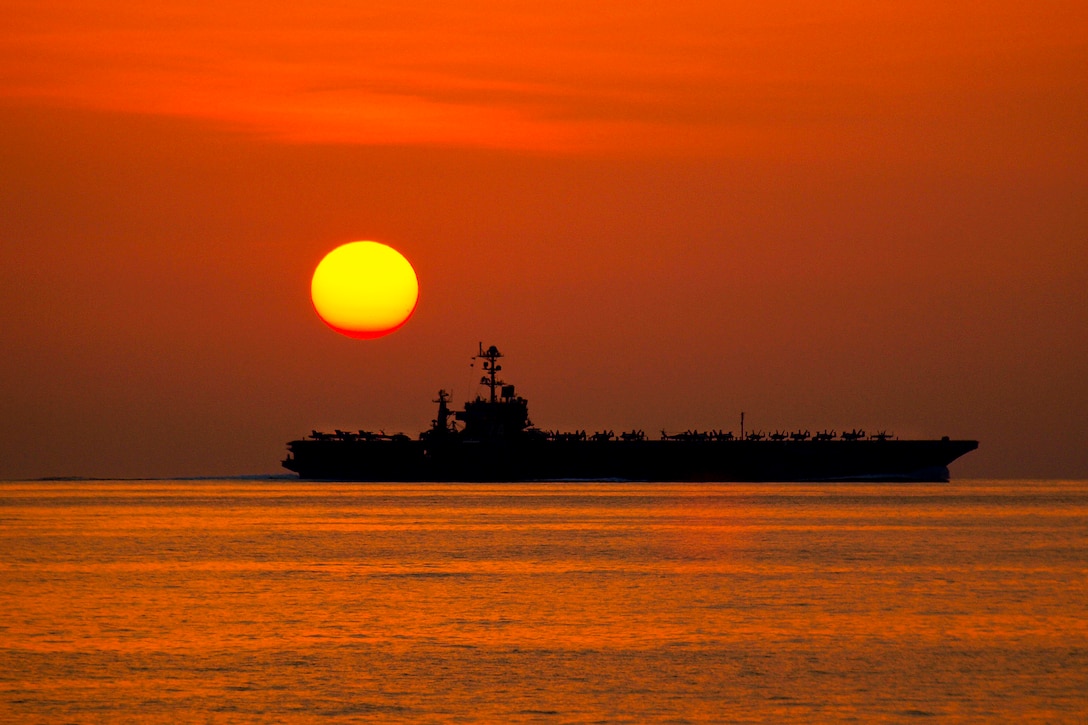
column 491, row 368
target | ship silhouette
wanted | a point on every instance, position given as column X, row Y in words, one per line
column 492, row 439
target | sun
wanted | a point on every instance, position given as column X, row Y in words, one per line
column 364, row 289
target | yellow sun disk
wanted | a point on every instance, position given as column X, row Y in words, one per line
column 364, row 289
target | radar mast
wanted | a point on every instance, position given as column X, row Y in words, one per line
column 491, row 368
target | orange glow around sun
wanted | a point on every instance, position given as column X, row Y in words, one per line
column 364, row 289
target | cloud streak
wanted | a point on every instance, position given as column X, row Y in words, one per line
column 695, row 78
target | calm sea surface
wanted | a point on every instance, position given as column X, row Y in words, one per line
column 278, row 601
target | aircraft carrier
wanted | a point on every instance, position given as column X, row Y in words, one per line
column 492, row 439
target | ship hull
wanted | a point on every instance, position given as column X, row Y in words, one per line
column 664, row 460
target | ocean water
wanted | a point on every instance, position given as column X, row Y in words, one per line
column 279, row 601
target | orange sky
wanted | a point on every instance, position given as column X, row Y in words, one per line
column 820, row 213
column 693, row 77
